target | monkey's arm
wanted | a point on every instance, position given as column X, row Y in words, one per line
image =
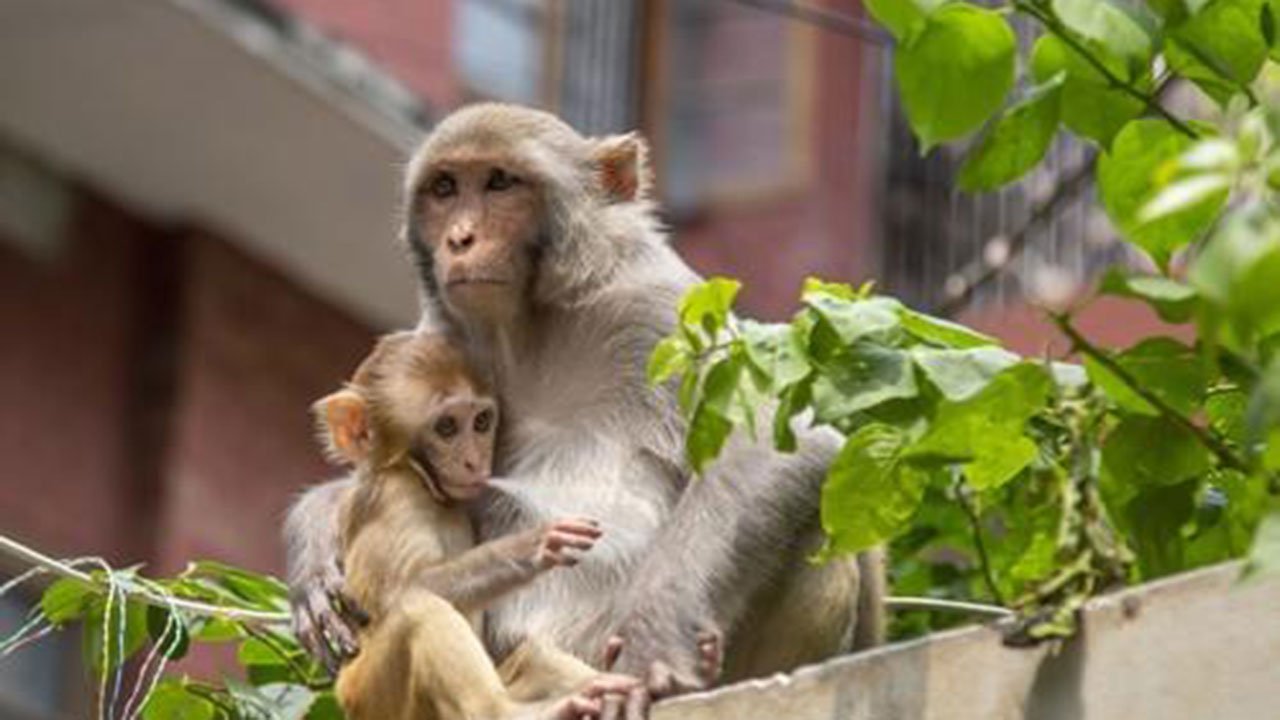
column 479, row 576
column 322, row 615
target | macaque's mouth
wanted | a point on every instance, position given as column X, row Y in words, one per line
column 476, row 281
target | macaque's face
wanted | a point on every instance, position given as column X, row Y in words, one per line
column 480, row 218
column 455, row 445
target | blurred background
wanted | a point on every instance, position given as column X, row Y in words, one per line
column 198, row 201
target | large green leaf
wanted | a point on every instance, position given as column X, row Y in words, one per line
column 942, row 333
column 1090, row 106
column 1127, row 182
column 66, row 600
column 870, row 493
column 1152, row 451
column 986, row 431
column 1171, row 371
column 707, row 305
column 775, row 352
column 171, row 700
column 1125, row 28
column 861, row 378
column 853, row 320
column 960, row 374
column 955, row 73
column 1018, row 141
column 1221, row 48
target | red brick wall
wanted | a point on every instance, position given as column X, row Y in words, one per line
column 410, row 39
column 65, row 377
column 824, row 228
column 255, row 352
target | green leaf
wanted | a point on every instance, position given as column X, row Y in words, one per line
column 1183, row 195
column 1018, row 141
column 1238, row 270
column 708, row 432
column 776, row 351
column 1156, row 517
column 955, row 73
column 1127, row 182
column 870, row 493
column 1221, row 48
column 863, row 377
column 262, row 591
column 854, row 320
column 670, row 357
column 1168, row 369
column 943, row 333
column 707, row 305
column 172, row 701
column 1124, row 28
column 902, row 18
column 986, row 431
column 1090, row 106
column 792, row 402
column 168, row 632
column 127, row 631
column 1172, row 300
column 1153, row 451
column 277, row 701
column 325, row 707
column 66, row 600
column 960, row 374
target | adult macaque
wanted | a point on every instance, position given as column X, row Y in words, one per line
column 538, row 250
column 419, row 430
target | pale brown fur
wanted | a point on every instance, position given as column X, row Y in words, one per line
column 408, row 545
column 585, row 286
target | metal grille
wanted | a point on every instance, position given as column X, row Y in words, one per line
column 598, row 82
column 945, row 250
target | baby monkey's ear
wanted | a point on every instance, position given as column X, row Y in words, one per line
column 622, row 164
column 342, row 420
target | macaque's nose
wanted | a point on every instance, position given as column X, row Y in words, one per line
column 459, row 242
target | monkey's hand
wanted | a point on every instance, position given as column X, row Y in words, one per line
column 669, row 663
column 562, row 542
column 324, row 618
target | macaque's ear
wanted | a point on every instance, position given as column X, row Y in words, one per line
column 343, row 421
column 622, row 163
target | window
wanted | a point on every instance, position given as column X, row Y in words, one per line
column 499, row 48
column 736, row 101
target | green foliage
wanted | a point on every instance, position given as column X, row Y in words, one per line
column 1037, row 484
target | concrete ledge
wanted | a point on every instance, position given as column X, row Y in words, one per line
column 1196, row 646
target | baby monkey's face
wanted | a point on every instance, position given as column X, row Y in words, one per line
column 455, row 444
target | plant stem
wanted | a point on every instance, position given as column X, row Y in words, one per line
column 975, row 524
column 1206, row 437
column 1149, row 101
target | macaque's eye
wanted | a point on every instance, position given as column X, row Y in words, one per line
column 483, row 421
column 443, row 186
column 446, row 427
column 500, row 180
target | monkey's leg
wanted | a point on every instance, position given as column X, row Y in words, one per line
column 817, row 612
column 537, row 670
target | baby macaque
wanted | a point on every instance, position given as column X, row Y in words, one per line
column 418, row 427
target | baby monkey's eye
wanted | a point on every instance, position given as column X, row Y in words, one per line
column 483, row 421
column 500, row 180
column 443, row 186
column 446, row 427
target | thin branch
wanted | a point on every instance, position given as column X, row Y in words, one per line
column 15, row 549
column 831, row 20
column 1149, row 100
column 898, row 602
column 1204, row 436
column 984, row 559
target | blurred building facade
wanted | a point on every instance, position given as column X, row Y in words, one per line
column 198, row 201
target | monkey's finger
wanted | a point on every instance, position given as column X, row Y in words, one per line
column 661, row 680
column 557, row 539
column 580, row 706
column 612, row 683
column 638, row 703
column 578, row 527
column 612, row 649
column 611, row 707
column 339, row 634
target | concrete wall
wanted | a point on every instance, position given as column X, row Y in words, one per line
column 1194, row 647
